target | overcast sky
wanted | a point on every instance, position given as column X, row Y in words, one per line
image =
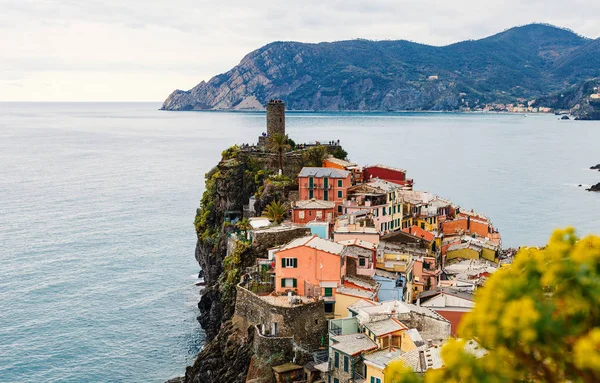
column 141, row 50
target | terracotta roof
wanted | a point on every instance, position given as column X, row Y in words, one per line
column 418, row 232
column 343, row 163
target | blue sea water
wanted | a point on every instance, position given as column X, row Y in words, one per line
column 97, row 201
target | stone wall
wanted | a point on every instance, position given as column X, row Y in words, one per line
column 268, row 238
column 306, row 323
column 268, row 347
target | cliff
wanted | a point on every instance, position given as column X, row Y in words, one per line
column 230, row 344
column 581, row 100
column 523, row 62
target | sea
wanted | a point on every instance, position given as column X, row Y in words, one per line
column 97, row 202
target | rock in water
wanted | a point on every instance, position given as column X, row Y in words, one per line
column 595, row 167
column 594, row 188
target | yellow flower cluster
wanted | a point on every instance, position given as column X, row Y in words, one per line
column 539, row 319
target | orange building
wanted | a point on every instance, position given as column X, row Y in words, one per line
column 313, row 210
column 309, row 266
column 467, row 225
column 327, row 184
column 336, row 163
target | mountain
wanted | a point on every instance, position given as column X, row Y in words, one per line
column 582, row 100
column 522, row 62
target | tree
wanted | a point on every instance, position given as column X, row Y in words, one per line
column 244, row 225
column 340, row 153
column 275, row 211
column 314, row 156
column 539, row 319
column 278, row 143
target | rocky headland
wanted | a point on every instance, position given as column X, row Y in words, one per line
column 525, row 62
column 230, row 352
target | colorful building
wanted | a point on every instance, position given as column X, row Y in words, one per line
column 310, row 266
column 336, row 163
column 305, row 211
column 360, row 257
column 387, row 173
column 327, row 184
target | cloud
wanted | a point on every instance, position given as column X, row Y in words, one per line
column 142, row 50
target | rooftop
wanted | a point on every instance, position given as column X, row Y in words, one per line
column 359, row 293
column 359, row 242
column 387, row 167
column 313, row 204
column 286, row 368
column 315, row 242
column 418, row 232
column 284, row 301
column 360, row 304
column 353, row 344
column 344, row 163
column 383, row 357
column 323, row 172
column 384, row 327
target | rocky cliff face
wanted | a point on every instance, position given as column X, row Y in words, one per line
column 577, row 99
column 363, row 75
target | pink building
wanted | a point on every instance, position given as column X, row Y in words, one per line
column 360, row 257
column 327, row 184
column 309, row 266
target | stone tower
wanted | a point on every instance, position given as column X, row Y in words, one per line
column 275, row 117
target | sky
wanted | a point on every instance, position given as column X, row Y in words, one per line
column 141, row 50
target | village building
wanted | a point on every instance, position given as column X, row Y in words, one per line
column 327, row 184
column 305, row 211
column 336, row 163
column 450, row 303
column 355, row 226
column 360, row 257
column 387, row 173
column 311, row 267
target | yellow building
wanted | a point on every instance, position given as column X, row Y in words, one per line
column 377, row 363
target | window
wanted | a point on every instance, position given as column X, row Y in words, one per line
column 326, row 195
column 339, row 208
column 336, row 360
column 311, row 194
column 336, row 380
column 288, row 282
column 340, row 194
column 311, row 182
column 346, row 364
column 329, row 308
column 340, row 183
column 362, row 262
column 325, row 183
column 289, row 262
column 319, row 214
column 375, row 380
column 301, row 214
column 328, row 291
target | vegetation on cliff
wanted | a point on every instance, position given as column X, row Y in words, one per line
column 539, row 320
column 522, row 62
column 577, row 99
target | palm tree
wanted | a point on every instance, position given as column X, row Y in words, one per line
column 244, row 226
column 278, row 143
column 275, row 211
